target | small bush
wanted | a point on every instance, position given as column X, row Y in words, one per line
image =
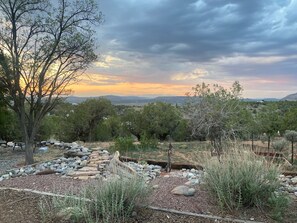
column 279, row 145
column 124, row 144
column 241, row 179
column 115, row 201
column 148, row 143
column 278, row 203
column 112, row 201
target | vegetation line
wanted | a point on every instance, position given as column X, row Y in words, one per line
column 42, row 193
column 13, row 202
column 201, row 215
column 150, row 207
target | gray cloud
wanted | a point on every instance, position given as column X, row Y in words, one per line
column 157, row 39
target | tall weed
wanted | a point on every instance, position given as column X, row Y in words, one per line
column 241, row 179
column 108, row 202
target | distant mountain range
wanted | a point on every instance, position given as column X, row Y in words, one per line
column 179, row 100
column 290, row 97
column 132, row 100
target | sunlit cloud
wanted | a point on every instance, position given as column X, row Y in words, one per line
column 252, row 59
column 108, row 61
column 193, row 75
column 129, row 88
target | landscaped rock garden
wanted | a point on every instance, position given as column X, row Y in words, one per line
column 83, row 163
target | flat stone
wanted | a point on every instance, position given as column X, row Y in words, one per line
column 183, row 190
column 192, row 182
column 83, row 173
column 88, row 168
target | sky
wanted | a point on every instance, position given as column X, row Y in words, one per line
column 166, row 47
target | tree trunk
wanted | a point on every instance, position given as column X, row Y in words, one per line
column 252, row 141
column 268, row 143
column 292, row 158
column 29, row 152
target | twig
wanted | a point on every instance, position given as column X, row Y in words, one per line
column 16, row 201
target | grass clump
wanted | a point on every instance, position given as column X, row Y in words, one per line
column 124, row 144
column 279, row 145
column 242, row 179
column 112, row 201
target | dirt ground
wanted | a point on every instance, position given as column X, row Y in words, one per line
column 23, row 207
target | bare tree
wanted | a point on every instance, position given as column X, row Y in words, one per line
column 45, row 45
column 212, row 110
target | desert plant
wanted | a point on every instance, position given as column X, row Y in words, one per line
column 124, row 144
column 148, row 143
column 279, row 145
column 116, row 200
column 278, row 203
column 241, row 179
column 112, row 201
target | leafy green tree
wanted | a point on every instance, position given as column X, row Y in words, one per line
column 87, row 115
column 160, row 119
column 211, row 112
column 270, row 120
column 9, row 124
column 44, row 46
column 109, row 129
column 290, row 119
column 131, row 120
column 292, row 137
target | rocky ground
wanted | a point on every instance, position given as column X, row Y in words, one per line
column 180, row 190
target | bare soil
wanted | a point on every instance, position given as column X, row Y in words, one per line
column 24, row 206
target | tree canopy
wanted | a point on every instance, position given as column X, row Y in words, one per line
column 44, row 46
column 211, row 111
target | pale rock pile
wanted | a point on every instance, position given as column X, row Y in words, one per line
column 288, row 184
column 98, row 167
column 73, row 160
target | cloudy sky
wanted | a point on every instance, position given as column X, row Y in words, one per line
column 165, row 47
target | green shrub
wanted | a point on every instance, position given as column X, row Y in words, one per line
column 148, row 143
column 278, row 203
column 279, row 145
column 116, row 200
column 112, row 201
column 124, row 144
column 241, row 179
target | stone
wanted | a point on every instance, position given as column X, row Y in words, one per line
column 295, row 194
column 156, row 186
column 10, row 144
column 294, row 180
column 43, row 149
column 183, row 190
column 192, row 182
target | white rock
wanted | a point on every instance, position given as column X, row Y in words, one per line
column 294, row 180
column 10, row 144
column 183, row 190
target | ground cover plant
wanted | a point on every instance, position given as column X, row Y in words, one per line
column 112, row 201
column 243, row 180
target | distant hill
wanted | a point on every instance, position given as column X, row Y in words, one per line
column 259, row 99
column 290, row 97
column 131, row 100
column 136, row 100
